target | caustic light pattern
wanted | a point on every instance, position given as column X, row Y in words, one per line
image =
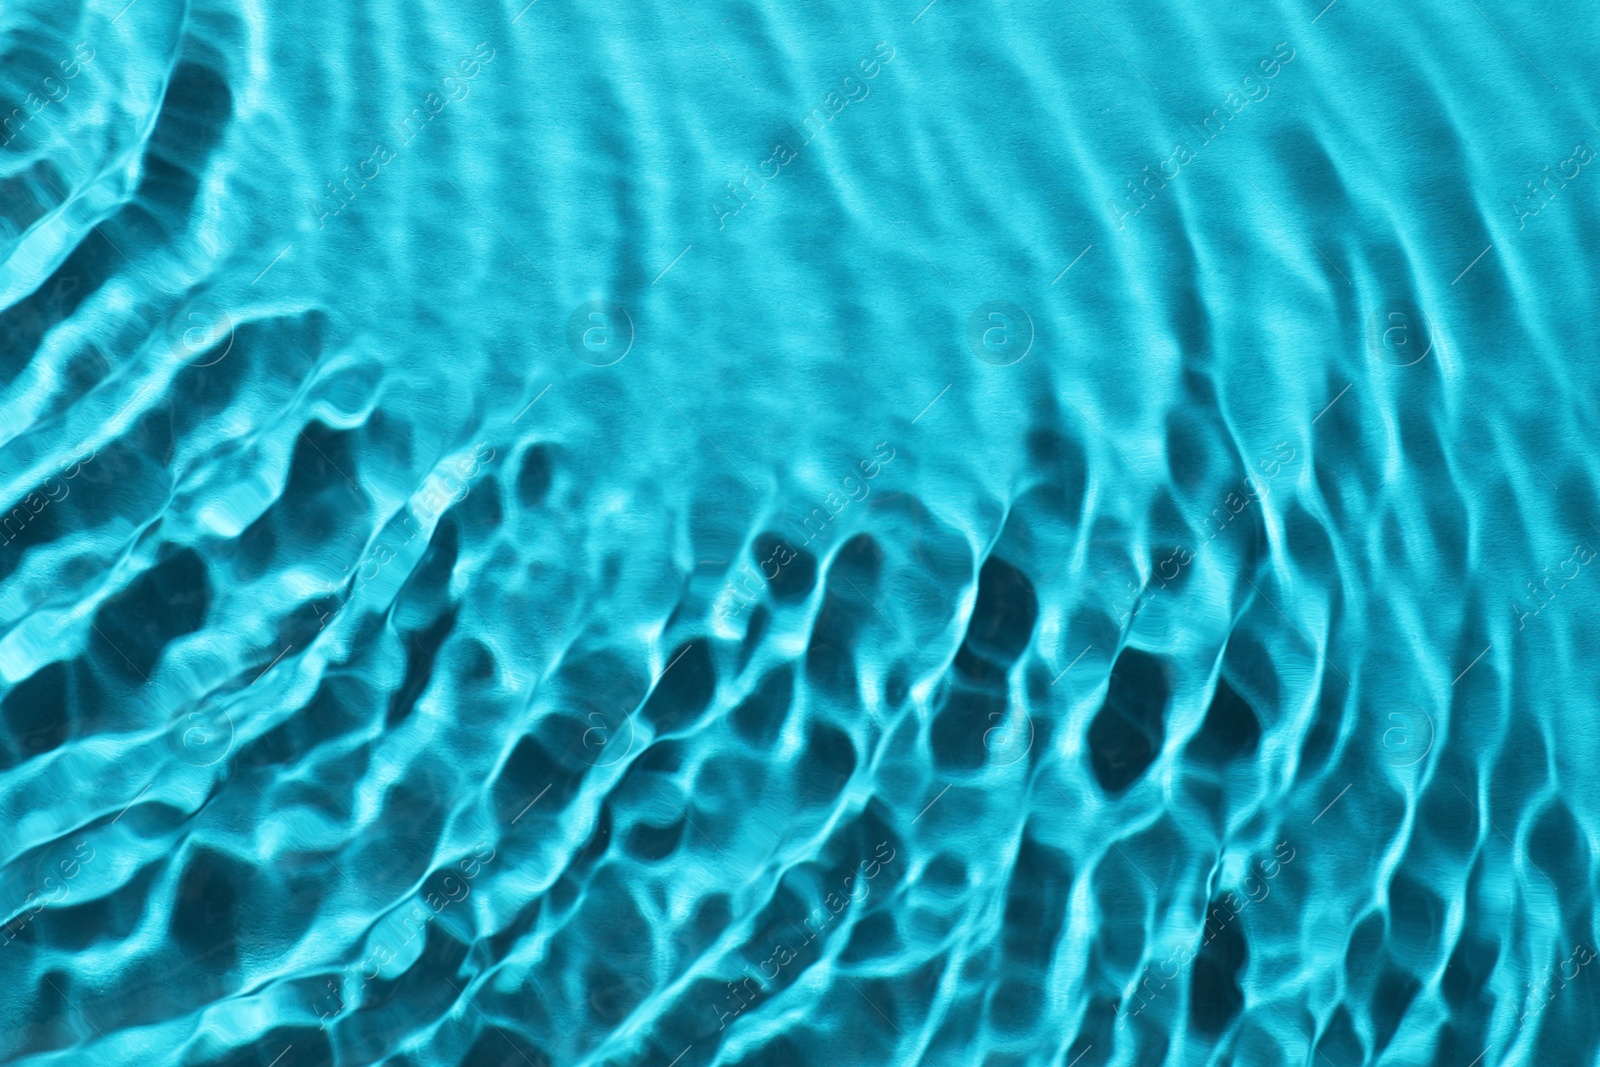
column 950, row 533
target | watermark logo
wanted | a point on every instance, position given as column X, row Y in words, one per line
column 201, row 736
column 613, row 996
column 1409, row 737
column 1535, row 197
column 52, row 878
column 202, row 334
column 784, row 953
column 1011, row 738
column 600, row 333
column 1000, row 333
column 1224, row 910
column 1399, row 334
column 608, row 736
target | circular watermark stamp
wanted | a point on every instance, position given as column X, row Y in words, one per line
column 1409, row 737
column 1399, row 334
column 1011, row 738
column 201, row 333
column 608, row 736
column 1000, row 333
column 599, row 332
column 612, row 997
column 201, row 736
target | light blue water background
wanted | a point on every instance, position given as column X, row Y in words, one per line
column 761, row 534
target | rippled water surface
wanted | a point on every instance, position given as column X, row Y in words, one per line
column 689, row 533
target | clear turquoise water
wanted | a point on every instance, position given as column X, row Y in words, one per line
column 688, row 534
